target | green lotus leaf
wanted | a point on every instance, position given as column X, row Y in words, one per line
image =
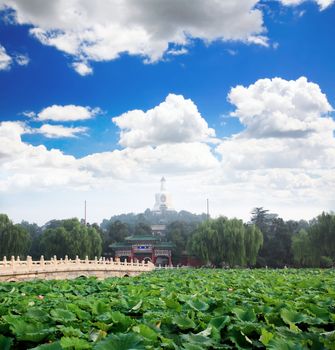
column 51, row 346
column 198, row 305
column 197, row 339
column 27, row 330
column 128, row 341
column 173, row 304
column 290, row 316
column 61, row 315
column 284, row 344
column 74, row 343
column 146, row 332
column 246, row 314
column 219, row 322
column 5, row 342
column 265, row 337
column 184, row 322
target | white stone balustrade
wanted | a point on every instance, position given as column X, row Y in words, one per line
column 16, row 269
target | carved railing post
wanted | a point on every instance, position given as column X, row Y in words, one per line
column 86, row 260
column 29, row 262
column 12, row 263
column 42, row 262
column 5, row 262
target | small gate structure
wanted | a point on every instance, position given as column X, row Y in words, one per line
column 25, row 270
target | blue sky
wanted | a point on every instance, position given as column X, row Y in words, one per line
column 268, row 143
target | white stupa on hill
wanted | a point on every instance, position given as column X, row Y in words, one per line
column 163, row 200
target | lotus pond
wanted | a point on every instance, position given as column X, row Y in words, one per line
column 173, row 309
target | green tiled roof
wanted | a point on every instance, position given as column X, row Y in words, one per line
column 141, row 238
column 120, row 245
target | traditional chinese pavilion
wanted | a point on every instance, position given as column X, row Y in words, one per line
column 147, row 248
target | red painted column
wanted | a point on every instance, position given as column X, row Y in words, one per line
column 153, row 255
column 170, row 260
column 132, row 254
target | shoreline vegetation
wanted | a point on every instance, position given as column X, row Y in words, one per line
column 266, row 240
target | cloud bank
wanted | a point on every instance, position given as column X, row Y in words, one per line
column 285, row 154
column 105, row 29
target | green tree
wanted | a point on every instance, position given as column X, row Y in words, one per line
column 95, row 241
column 253, row 239
column 178, row 233
column 142, row 229
column 277, row 238
column 301, row 248
column 14, row 239
column 70, row 237
column 35, row 233
column 322, row 239
column 225, row 241
column 116, row 231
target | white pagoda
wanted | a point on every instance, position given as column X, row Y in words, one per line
column 163, row 200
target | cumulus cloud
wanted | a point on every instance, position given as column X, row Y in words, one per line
column 281, row 108
column 5, row 59
column 283, row 163
column 175, row 120
column 24, row 165
column 59, row 131
column 287, row 149
column 82, row 68
column 323, row 4
column 105, row 29
column 180, row 158
column 67, row 113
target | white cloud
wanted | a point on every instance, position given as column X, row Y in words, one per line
column 285, row 164
column 59, row 131
column 67, row 113
column 29, row 114
column 177, row 52
column 105, row 29
column 82, row 68
column 129, row 163
column 26, row 166
column 281, row 108
column 286, row 154
column 323, row 4
column 5, row 59
column 175, row 120
column 22, row 60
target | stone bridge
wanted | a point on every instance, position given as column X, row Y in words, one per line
column 25, row 270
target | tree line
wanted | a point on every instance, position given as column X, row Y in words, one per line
column 266, row 240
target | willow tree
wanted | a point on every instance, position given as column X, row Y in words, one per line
column 253, row 240
column 14, row 240
column 225, row 241
column 302, row 249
